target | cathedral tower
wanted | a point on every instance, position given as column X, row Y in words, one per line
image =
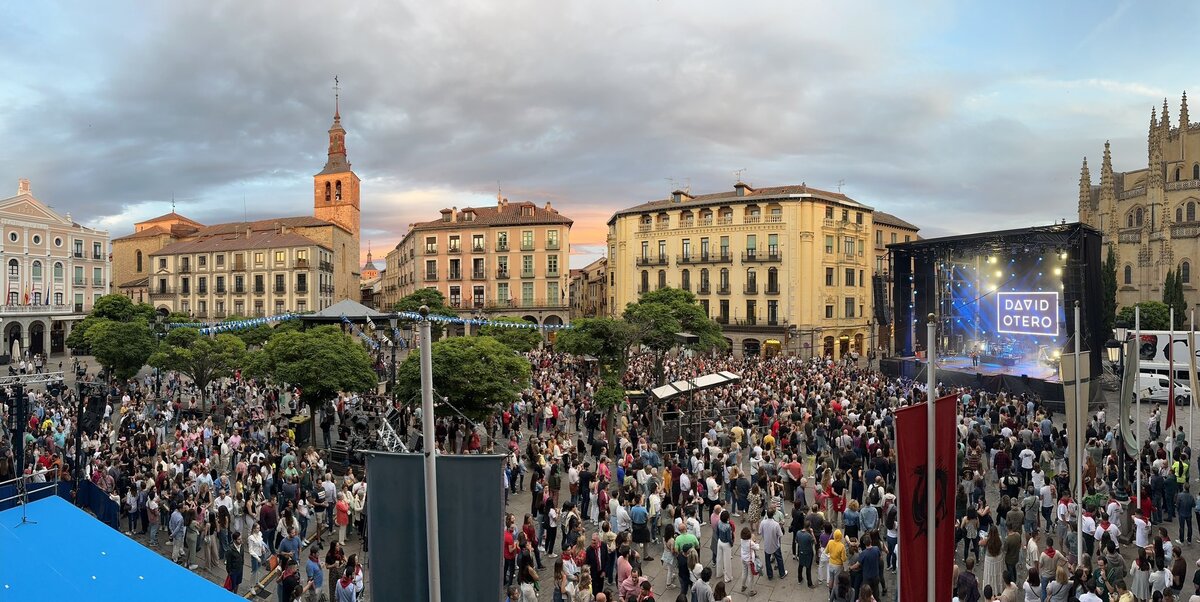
column 335, row 188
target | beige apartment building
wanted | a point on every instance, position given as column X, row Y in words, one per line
column 589, row 290
column 782, row 269
column 889, row 229
column 243, row 274
column 54, row 270
column 510, row 259
column 307, row 262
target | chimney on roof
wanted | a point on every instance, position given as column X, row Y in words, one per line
column 501, row 203
column 454, row 214
column 23, row 186
column 741, row 188
column 549, row 208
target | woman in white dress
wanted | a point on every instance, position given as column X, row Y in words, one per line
column 993, row 562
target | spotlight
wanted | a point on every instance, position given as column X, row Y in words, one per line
column 1058, row 271
column 1062, row 255
column 999, row 273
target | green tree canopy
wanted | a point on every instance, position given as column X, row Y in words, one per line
column 321, row 361
column 659, row 314
column 431, row 298
column 1173, row 297
column 200, row 358
column 605, row 339
column 116, row 308
column 1108, row 279
column 517, row 339
column 1155, row 315
column 477, row 374
column 121, row 347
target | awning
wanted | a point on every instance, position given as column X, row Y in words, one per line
column 699, row 383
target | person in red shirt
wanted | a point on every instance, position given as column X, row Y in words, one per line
column 510, row 551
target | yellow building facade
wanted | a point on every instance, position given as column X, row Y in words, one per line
column 784, row 269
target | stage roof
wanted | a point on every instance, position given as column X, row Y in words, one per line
column 701, row 383
column 69, row 555
column 998, row 241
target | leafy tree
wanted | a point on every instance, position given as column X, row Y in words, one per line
column 431, row 298
column 478, row 375
column 659, row 314
column 121, row 347
column 200, row 358
column 520, row 340
column 1173, row 296
column 1155, row 315
column 609, row 341
column 1108, row 279
column 117, row 308
column 321, row 361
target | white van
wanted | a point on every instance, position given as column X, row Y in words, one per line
column 1156, row 388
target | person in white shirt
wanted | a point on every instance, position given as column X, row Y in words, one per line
column 1141, row 528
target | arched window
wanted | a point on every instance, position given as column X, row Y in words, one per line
column 662, row 279
column 37, row 271
column 1129, row 220
column 685, row 280
column 1191, row 211
column 327, row 194
column 751, row 278
column 58, row 271
column 1196, row 171
column 1185, row 272
column 772, row 280
column 337, row 191
column 1137, row 217
column 14, row 269
column 1179, row 214
column 1178, row 173
column 645, row 281
column 1128, row 274
column 724, row 282
column 704, row 279
column 139, row 261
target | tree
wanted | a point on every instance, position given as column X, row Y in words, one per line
column 1108, row 280
column 1173, row 296
column 121, row 347
column 609, row 341
column 320, row 361
column 200, row 358
column 117, row 308
column 659, row 314
column 431, row 298
column 1155, row 315
column 519, row 338
column 478, row 375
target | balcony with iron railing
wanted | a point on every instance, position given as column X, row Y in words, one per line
column 162, row 292
column 260, row 290
column 553, row 246
column 723, row 290
column 77, row 254
column 76, row 282
column 772, row 289
column 722, row 319
column 453, row 275
column 526, row 303
column 478, row 275
column 302, row 289
column 326, row 289
column 685, row 259
column 758, row 256
column 326, row 266
column 751, row 288
column 279, row 290
column 528, row 274
column 185, row 269
column 431, row 249
column 501, row 274
column 239, row 289
column 301, row 263
column 431, row 276
column 455, row 249
column 202, row 290
column 478, row 248
column 526, row 246
column 501, row 247
column 723, row 257
column 704, row 289
column 653, row 260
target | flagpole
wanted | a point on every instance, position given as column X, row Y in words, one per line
column 931, row 462
column 1077, row 448
column 1192, row 374
column 1137, row 408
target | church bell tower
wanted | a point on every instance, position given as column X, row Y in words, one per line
column 335, row 188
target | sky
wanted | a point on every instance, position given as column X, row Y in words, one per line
column 951, row 115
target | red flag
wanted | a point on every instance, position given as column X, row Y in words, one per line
column 912, row 434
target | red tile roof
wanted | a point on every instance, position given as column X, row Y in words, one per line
column 485, row 217
column 236, row 241
column 751, row 195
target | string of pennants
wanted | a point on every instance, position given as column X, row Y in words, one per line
column 368, row 339
column 412, row 315
column 216, row 327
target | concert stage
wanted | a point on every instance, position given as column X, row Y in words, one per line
column 1003, row 304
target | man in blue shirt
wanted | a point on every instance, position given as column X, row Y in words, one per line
column 290, row 546
column 641, row 527
column 870, row 562
column 316, row 576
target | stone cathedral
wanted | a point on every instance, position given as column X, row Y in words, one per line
column 1150, row 213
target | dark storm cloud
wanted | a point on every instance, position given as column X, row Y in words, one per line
column 591, row 106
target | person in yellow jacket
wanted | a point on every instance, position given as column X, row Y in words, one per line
column 836, row 549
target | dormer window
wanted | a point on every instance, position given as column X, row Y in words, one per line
column 468, row 216
column 527, row 211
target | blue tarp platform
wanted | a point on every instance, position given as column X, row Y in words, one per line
column 66, row 554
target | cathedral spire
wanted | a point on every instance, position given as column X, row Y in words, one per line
column 1085, row 189
column 1166, row 118
column 1183, row 113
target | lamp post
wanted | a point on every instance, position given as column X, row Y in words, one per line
column 1116, row 354
column 393, row 319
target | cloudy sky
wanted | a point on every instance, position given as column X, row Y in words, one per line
column 948, row 114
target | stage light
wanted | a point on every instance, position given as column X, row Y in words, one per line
column 1039, row 273
column 1058, row 271
column 999, row 273
column 991, row 259
column 1062, row 255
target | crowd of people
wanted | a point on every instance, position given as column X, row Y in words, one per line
column 791, row 470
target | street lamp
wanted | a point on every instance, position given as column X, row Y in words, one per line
column 1115, row 348
column 393, row 319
